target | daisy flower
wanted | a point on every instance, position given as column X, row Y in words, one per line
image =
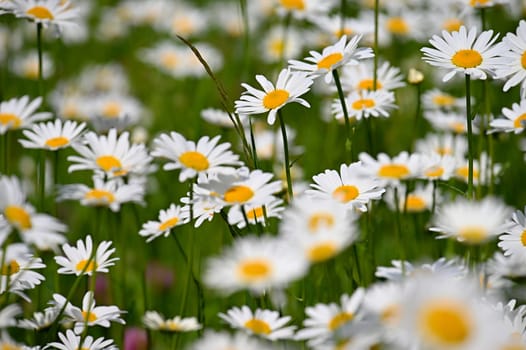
column 207, row 157
column 155, row 321
column 25, row 65
column 175, row 215
column 514, row 55
column 384, row 301
column 513, row 242
column 365, row 104
column 52, row 135
column 204, row 208
column 82, row 260
column 112, row 155
column 56, row 12
column 288, row 89
column 390, row 170
column 464, row 52
column 514, row 119
column 167, row 57
column 220, row 118
column 17, row 273
column 436, row 167
column 452, row 122
column 40, row 320
column 481, row 170
column 256, row 264
column 332, row 57
column 455, row 146
column 71, row 341
column 264, row 323
column 19, row 113
column 273, row 48
column 417, row 201
column 333, row 25
column 361, row 78
column 401, row 270
column 302, row 9
column 258, row 213
column 114, row 110
column 472, row 222
column 226, row 341
column 8, row 315
column 437, row 99
column 346, row 186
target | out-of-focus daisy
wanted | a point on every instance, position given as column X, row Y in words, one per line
column 452, row 122
column 332, row 57
column 55, row 12
column 71, row 341
column 256, row 264
column 416, row 201
column 390, row 170
column 507, row 267
column 472, row 222
column 455, row 146
column 436, row 99
column 346, row 187
column 453, row 268
column 301, row 9
column 82, row 258
column 112, row 155
column 323, row 320
column 273, row 47
column 289, row 87
column 436, row 167
column 205, row 157
column 464, row 52
column 407, row 24
column 155, row 321
column 111, row 193
column 256, row 213
column 225, row 341
column 481, row 170
column 220, row 118
column 514, row 119
column 17, row 273
column 175, row 215
column 361, row 78
column 264, row 323
column 115, row 110
column 40, row 320
column 383, row 301
column 513, row 242
column 52, row 135
column 269, row 144
column 8, row 315
column 185, row 20
column 514, row 67
column 19, row 113
column 25, row 65
column 106, row 78
column 365, row 104
column 333, row 25
column 514, row 324
column 204, row 208
column 167, row 57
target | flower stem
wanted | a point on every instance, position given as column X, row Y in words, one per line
column 398, row 220
column 286, row 150
column 42, row 180
column 341, row 96
column 418, row 112
column 253, row 144
column 40, row 63
column 470, row 192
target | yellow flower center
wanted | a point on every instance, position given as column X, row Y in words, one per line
column 293, row 4
column 520, row 121
column 89, row 316
column 523, row 238
column 322, row 252
column 394, row 171
column 458, row 127
column 464, row 172
column 254, row 270
column 7, row 346
column 444, row 100
column 83, row 264
column 523, row 60
column 345, row 193
column 339, row 320
column 368, row 84
column 452, row 24
column 277, row 46
column 415, row 203
column 194, row 160
column 445, row 323
column 238, row 194
column 112, row 110
column 397, row 25
column 275, row 99
column 10, row 269
column 328, row 61
column 363, row 103
column 478, row 2
column 467, row 58
column 57, row 142
column 514, row 346
column 40, row 12
column 183, row 26
column 168, row 224
column 473, row 234
column 390, row 314
column 258, row 326
column 11, row 120
column 109, row 163
column 255, row 213
column 169, row 60
column 319, row 220
column 345, row 31
column 444, row 151
column 18, row 217
column 172, row 326
column 434, row 172
column 100, row 196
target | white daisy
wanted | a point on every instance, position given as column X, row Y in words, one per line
column 226, row 341
column 71, row 341
column 514, row 67
column 17, row 273
column 302, row 9
column 155, row 321
column 390, row 170
column 25, row 65
column 114, row 110
column 40, row 320
column 401, row 270
column 167, row 57
column 436, row 99
column 451, row 122
column 289, row 87
column 56, row 12
column 174, row 216
column 19, row 113
column 256, row 213
column 361, row 78
column 220, row 118
column 264, row 323
column 365, row 104
column 52, row 135
column 8, row 315
column 514, row 119
column 274, row 47
column 417, row 201
column 454, row 146
column 513, row 241
column 481, row 170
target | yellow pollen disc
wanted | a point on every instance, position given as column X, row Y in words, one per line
column 10, row 269
column 292, row 4
column 390, row 314
column 415, row 203
column 520, row 121
column 254, row 270
column 345, row 193
column 8, row 346
column 275, row 99
column 452, row 24
column 368, row 84
column 523, row 238
column 445, row 323
column 238, row 194
column 255, row 213
column 464, row 172
column 81, row 265
column 322, row 252
column 397, row 25
column 9, row 119
column 112, row 110
column 328, row 61
column 319, row 220
column 70, row 111
column 168, row 224
column 444, row 100
column 458, row 127
column 473, row 234
column 516, row 346
column 523, row 60
column 393, row 171
column 40, row 12
column 478, row 2
column 277, row 46
column 258, row 326
column 183, row 26
column 172, row 326
column 194, row 160
column 435, row 172
column 363, row 103
column 345, row 31
column 109, row 163
column 57, row 142
column 443, row 151
column 18, row 217
column 467, row 58
column 89, row 316
column 339, row 320
column 100, row 196
column 169, row 60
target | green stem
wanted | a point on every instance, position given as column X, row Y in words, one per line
column 5, row 153
column 253, row 144
column 375, row 44
column 343, row 7
column 245, row 217
column 286, row 150
column 418, row 111
column 233, row 230
column 286, row 25
column 42, row 180
column 40, row 62
column 470, row 192
column 341, row 96
column 398, row 221
column 246, row 36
